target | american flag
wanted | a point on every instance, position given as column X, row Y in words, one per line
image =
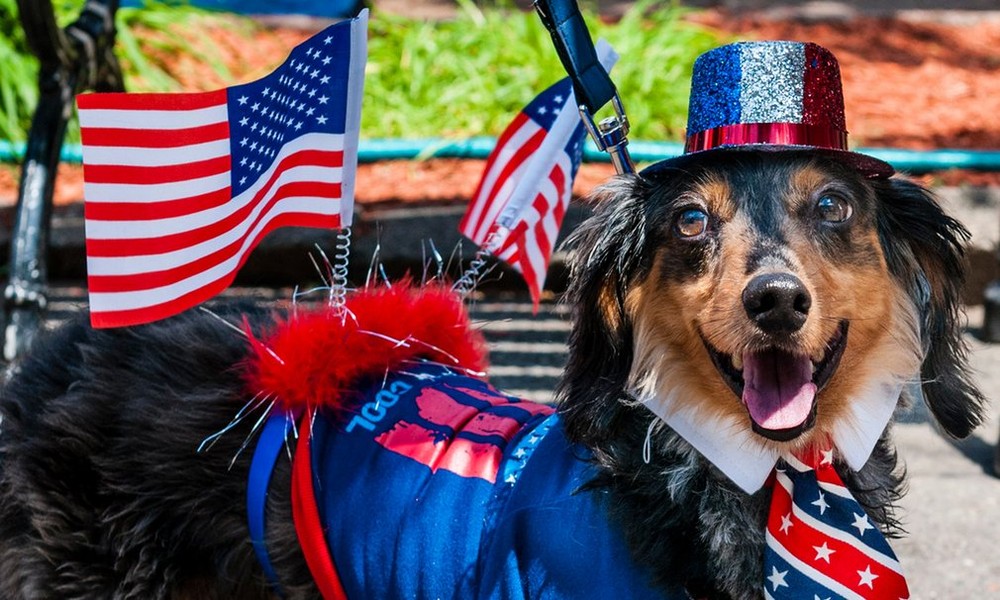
column 820, row 542
column 179, row 188
column 519, row 205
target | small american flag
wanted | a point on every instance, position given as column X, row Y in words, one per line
column 820, row 543
column 179, row 188
column 519, row 205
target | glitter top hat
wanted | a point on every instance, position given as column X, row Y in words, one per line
column 771, row 96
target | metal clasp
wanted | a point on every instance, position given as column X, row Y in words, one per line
column 611, row 135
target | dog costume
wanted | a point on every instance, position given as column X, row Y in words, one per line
column 429, row 483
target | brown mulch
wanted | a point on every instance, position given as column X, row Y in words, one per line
column 907, row 84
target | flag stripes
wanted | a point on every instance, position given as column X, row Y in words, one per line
column 519, row 204
column 181, row 187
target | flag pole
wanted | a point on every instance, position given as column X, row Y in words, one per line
column 467, row 282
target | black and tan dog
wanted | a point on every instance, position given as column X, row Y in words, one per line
column 716, row 282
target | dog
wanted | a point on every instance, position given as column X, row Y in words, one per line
column 705, row 285
column 103, row 494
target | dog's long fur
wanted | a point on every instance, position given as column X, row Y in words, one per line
column 103, row 495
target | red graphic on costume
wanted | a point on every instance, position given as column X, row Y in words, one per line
column 464, row 430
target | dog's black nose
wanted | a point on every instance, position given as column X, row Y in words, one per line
column 777, row 302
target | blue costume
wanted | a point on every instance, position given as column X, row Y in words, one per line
column 441, row 487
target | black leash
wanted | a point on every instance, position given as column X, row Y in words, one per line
column 591, row 83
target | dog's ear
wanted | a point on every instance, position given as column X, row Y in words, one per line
column 608, row 252
column 924, row 249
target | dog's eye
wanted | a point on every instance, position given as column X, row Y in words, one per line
column 833, row 209
column 692, row 223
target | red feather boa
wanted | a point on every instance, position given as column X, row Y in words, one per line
column 316, row 358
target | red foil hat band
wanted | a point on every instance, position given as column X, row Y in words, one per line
column 780, row 134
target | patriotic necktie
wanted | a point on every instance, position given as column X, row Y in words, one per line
column 820, row 543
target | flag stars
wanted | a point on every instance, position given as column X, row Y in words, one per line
column 327, row 40
column 253, row 146
column 777, row 579
column 823, row 552
column 244, row 141
column 243, row 161
column 324, row 79
column 244, row 121
column 312, row 93
column 255, row 106
column 327, row 59
column 821, row 503
column 861, row 522
column 243, row 100
column 323, row 99
column 827, row 457
column 786, row 523
column 867, row 578
column 243, row 180
column 321, row 119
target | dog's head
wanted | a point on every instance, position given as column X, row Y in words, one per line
column 770, row 288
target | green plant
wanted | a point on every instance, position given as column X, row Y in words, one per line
column 162, row 23
column 470, row 75
column 462, row 77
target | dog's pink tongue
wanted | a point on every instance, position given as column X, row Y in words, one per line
column 777, row 388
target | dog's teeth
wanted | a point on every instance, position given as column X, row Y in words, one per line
column 737, row 362
column 813, row 367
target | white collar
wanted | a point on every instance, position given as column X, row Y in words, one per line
column 732, row 447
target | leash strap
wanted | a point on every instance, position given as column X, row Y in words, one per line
column 591, row 83
column 265, row 456
column 308, row 525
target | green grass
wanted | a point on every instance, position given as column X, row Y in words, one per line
column 469, row 76
column 19, row 75
column 462, row 77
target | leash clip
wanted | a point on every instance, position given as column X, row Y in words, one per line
column 611, row 135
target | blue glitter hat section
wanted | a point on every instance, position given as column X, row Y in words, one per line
column 747, row 82
column 715, row 89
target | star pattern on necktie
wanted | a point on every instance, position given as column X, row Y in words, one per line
column 820, row 542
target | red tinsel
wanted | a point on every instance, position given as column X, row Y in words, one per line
column 318, row 356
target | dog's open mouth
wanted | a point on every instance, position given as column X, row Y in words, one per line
column 778, row 387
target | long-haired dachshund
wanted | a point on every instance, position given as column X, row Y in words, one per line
column 721, row 273
column 759, row 293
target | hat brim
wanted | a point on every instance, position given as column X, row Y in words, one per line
column 868, row 166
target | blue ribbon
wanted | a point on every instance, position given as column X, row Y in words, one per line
column 265, row 456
